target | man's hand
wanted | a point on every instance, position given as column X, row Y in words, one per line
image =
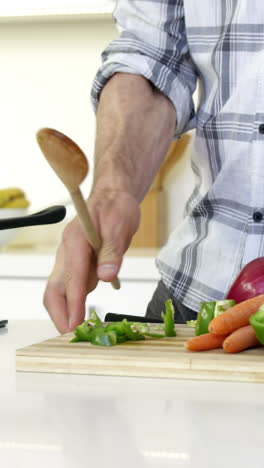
column 76, row 271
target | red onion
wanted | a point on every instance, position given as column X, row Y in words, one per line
column 249, row 282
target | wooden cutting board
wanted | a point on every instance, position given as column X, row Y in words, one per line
column 163, row 358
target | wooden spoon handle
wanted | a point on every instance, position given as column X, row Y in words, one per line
column 88, row 227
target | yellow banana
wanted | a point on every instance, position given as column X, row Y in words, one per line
column 19, row 202
column 13, row 198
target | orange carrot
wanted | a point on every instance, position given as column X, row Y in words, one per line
column 236, row 317
column 204, row 342
column 241, row 339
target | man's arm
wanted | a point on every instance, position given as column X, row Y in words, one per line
column 135, row 126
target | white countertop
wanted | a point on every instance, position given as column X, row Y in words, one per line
column 62, row 421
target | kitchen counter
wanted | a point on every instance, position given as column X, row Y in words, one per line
column 64, row 421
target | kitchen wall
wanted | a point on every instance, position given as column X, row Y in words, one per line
column 46, row 75
column 47, row 70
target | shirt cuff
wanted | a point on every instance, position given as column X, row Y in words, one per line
column 164, row 79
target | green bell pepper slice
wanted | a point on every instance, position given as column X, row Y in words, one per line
column 83, row 332
column 145, row 329
column 94, row 319
column 191, row 323
column 206, row 314
column 75, row 340
column 126, row 329
column 131, row 331
column 103, row 338
column 257, row 322
column 117, row 327
column 168, row 318
column 204, row 317
column 222, row 306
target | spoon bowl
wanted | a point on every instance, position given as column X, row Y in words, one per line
column 64, row 156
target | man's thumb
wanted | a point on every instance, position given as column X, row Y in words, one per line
column 109, row 262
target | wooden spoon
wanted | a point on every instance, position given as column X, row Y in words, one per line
column 71, row 166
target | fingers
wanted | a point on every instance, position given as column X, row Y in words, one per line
column 56, row 305
column 79, row 272
column 73, row 276
column 54, row 296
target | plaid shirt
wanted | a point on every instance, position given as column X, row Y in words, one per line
column 220, row 43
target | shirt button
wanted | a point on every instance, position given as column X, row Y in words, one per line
column 261, row 128
column 257, row 216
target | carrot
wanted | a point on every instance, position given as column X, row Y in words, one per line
column 241, row 339
column 236, row 317
column 204, row 342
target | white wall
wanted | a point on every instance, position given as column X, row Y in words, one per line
column 17, row 8
column 46, row 75
column 46, row 72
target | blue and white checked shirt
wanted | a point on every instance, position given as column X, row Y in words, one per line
column 174, row 43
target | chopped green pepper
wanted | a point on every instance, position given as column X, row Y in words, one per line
column 257, row 322
column 75, row 340
column 94, row 319
column 131, row 331
column 154, row 335
column 117, row 327
column 168, row 318
column 222, row 306
column 125, row 329
column 204, row 317
column 95, row 331
column 152, row 331
column 83, row 332
column 103, row 338
column 191, row 323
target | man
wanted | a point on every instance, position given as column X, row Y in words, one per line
column 144, row 90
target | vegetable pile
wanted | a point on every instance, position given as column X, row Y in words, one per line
column 239, row 327
column 236, row 323
column 100, row 334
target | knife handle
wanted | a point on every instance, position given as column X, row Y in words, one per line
column 3, row 323
column 111, row 317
